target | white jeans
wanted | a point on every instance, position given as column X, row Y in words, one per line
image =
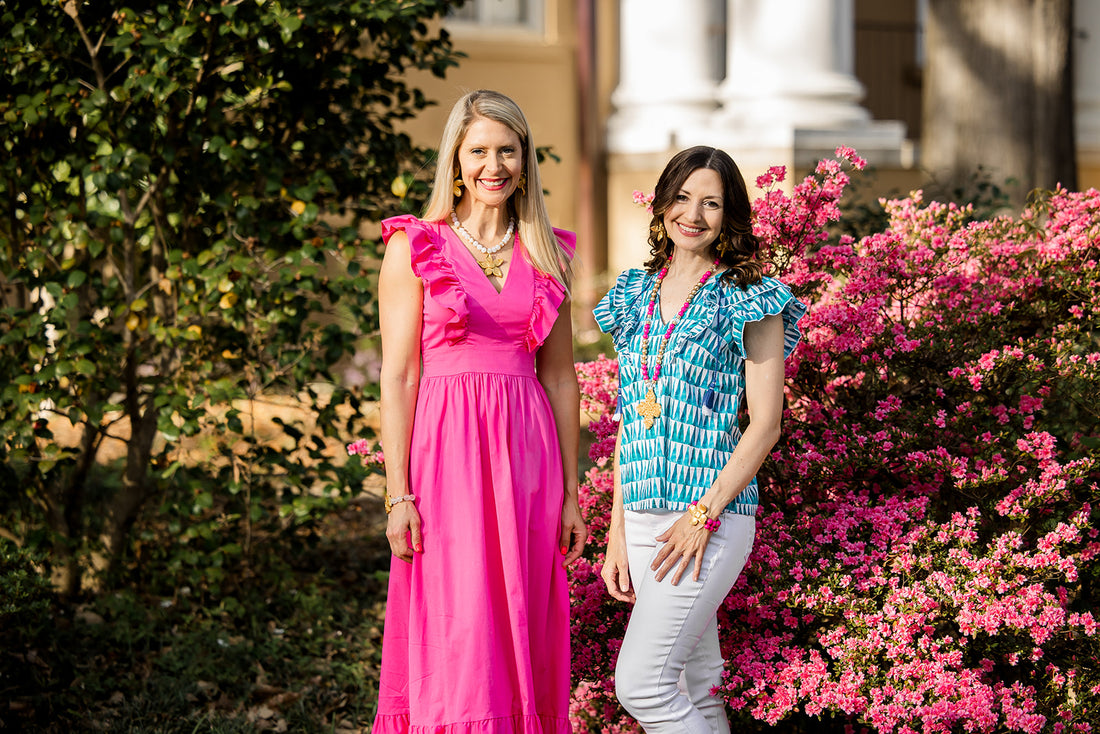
column 670, row 658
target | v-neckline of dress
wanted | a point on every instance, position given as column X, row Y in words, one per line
column 658, row 316
column 456, row 241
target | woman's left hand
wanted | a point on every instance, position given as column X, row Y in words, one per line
column 573, row 532
column 683, row 542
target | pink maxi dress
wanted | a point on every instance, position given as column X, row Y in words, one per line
column 476, row 638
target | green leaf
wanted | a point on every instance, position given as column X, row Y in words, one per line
column 62, row 171
column 202, row 501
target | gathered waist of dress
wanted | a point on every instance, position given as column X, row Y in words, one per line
column 465, row 358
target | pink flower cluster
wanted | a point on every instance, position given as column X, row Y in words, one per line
column 371, row 453
column 599, row 401
column 927, row 551
column 643, row 199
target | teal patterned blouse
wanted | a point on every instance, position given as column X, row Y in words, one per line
column 700, row 389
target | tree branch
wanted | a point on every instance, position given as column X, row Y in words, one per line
column 70, row 8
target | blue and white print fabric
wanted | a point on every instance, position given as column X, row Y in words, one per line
column 700, row 389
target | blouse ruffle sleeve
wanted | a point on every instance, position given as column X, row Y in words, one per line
column 549, row 294
column 441, row 283
column 769, row 297
column 619, row 312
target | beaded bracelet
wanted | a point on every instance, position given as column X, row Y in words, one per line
column 396, row 500
column 698, row 512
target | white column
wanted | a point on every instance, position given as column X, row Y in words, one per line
column 789, row 65
column 790, row 84
column 1086, row 72
column 666, row 79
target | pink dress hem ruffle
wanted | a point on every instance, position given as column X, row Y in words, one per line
column 518, row 724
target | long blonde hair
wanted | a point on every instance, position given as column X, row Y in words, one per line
column 535, row 231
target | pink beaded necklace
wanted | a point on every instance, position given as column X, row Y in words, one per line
column 648, row 408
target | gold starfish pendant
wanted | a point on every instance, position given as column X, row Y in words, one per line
column 491, row 265
column 648, row 408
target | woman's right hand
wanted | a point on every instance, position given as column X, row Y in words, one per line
column 402, row 522
column 616, row 570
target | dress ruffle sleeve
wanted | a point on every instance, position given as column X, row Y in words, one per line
column 619, row 312
column 441, row 283
column 549, row 294
column 769, row 297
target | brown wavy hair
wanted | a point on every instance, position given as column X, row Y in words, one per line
column 740, row 260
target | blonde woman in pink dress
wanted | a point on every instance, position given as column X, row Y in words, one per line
column 480, row 429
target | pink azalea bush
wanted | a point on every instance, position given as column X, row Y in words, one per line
column 927, row 549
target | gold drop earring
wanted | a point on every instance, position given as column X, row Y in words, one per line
column 724, row 244
column 457, row 190
column 522, row 186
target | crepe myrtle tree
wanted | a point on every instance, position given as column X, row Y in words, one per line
column 183, row 186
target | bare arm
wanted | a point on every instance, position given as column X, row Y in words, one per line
column 616, row 568
column 558, row 377
column 764, row 376
column 400, row 304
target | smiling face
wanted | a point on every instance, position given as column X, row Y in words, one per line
column 694, row 220
column 491, row 160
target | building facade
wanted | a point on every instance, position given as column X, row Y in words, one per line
column 615, row 87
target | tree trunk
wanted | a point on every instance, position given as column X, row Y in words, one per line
column 64, row 505
column 123, row 508
column 998, row 94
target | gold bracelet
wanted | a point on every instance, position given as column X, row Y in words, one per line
column 698, row 512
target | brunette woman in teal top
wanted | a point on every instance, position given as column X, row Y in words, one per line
column 700, row 333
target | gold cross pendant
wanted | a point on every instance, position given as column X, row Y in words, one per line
column 491, row 265
column 648, row 408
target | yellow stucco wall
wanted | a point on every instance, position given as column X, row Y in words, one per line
column 1088, row 169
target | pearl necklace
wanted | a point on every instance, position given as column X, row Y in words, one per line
column 491, row 264
column 649, row 408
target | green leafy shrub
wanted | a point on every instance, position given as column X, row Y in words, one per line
column 186, row 275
